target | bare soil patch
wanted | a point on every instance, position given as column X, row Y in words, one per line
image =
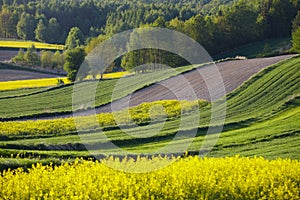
column 233, row 73
column 13, row 75
column 6, row 55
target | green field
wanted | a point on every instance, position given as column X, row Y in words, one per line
column 27, row 44
column 20, row 92
column 95, row 103
column 262, row 119
column 59, row 100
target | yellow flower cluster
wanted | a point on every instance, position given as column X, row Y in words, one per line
column 33, row 83
column 28, row 44
column 139, row 114
column 188, row 178
column 111, row 75
column 47, row 82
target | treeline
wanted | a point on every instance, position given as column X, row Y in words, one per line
column 45, row 59
column 234, row 25
column 227, row 26
column 51, row 20
column 218, row 25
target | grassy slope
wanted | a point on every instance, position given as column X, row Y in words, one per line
column 41, row 103
column 20, row 92
column 262, row 119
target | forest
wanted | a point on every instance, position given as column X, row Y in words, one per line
column 218, row 25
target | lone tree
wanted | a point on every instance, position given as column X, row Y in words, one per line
column 73, row 60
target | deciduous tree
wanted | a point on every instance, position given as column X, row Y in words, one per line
column 74, row 58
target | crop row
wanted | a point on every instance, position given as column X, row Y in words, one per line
column 144, row 113
column 46, row 82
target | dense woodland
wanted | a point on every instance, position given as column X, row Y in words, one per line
column 218, row 25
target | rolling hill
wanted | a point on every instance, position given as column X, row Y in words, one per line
column 58, row 101
column 261, row 119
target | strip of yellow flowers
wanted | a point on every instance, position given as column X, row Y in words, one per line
column 28, row 44
column 143, row 113
column 47, row 82
column 188, row 178
column 32, row 83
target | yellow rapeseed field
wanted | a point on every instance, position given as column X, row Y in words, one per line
column 115, row 75
column 188, row 178
column 27, row 44
column 33, row 83
column 47, row 82
column 138, row 114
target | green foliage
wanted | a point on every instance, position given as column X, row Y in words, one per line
column 266, row 50
column 75, row 38
column 20, row 57
column 296, row 40
column 41, row 31
column 58, row 60
column 258, row 49
column 296, row 21
column 135, row 60
column 144, row 113
column 94, row 42
column 296, row 33
column 54, row 31
column 26, row 27
column 226, row 24
column 73, row 60
column 31, row 57
column 8, row 20
column 279, row 16
column 59, row 100
column 262, row 119
column 46, row 59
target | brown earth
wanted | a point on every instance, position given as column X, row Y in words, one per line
column 6, row 55
column 12, row 75
column 232, row 74
column 192, row 85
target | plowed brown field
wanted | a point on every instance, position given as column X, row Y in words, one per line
column 13, row 75
column 233, row 73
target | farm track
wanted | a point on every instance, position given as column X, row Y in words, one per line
column 233, row 73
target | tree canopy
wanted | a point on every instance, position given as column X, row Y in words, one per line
column 73, row 60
